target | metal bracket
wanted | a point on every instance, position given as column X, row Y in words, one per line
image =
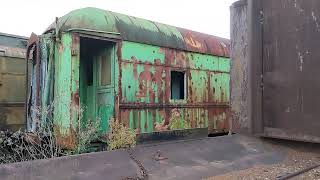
column 2, row 52
column 74, row 52
column 75, row 45
column 261, row 19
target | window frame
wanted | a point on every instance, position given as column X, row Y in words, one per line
column 185, row 95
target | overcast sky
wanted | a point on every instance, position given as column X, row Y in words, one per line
column 21, row 17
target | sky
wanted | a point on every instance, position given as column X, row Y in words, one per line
column 22, row 17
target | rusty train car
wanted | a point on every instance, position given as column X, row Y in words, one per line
column 12, row 81
column 97, row 65
column 274, row 69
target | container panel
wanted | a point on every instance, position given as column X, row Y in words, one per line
column 290, row 66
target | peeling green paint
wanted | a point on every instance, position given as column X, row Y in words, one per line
column 64, row 85
column 142, row 59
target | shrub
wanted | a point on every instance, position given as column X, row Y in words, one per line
column 87, row 135
column 120, row 136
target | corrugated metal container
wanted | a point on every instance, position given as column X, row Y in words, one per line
column 279, row 58
column 12, row 81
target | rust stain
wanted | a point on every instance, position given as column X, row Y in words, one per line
column 191, row 41
column 75, row 98
column 68, row 141
column 158, row 78
column 119, row 95
column 153, row 95
column 135, row 65
column 125, row 117
column 200, row 42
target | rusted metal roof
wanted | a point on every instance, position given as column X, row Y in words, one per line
column 144, row 31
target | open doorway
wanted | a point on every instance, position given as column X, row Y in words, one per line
column 96, row 81
column 178, row 88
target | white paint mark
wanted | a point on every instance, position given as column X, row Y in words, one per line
column 277, row 47
column 313, row 16
column 301, row 58
column 302, row 107
column 288, row 110
column 315, row 19
column 298, row 7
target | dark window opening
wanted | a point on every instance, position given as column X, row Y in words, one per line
column 90, row 73
column 86, row 63
column 177, row 85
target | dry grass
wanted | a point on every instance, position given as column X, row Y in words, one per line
column 120, row 136
column 22, row 146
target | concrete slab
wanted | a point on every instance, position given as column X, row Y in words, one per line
column 189, row 159
column 93, row 166
column 197, row 159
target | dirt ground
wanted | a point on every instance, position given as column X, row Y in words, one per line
column 300, row 156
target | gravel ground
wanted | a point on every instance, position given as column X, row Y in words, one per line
column 300, row 156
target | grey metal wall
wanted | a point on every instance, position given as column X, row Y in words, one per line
column 12, row 82
column 239, row 67
column 280, row 65
column 291, row 61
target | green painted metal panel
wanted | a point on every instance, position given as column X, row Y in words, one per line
column 198, row 86
column 105, row 90
column 204, row 62
column 224, row 64
column 75, row 70
column 141, row 52
column 144, row 73
column 225, row 84
column 64, row 86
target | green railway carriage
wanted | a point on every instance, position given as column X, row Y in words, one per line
column 98, row 65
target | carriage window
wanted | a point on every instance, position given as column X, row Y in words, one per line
column 105, row 70
column 177, row 85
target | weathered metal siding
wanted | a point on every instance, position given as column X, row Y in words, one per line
column 66, row 89
column 282, row 60
column 145, row 103
column 146, row 52
column 12, row 82
column 239, row 67
column 291, row 39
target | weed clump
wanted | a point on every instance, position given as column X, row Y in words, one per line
column 120, row 136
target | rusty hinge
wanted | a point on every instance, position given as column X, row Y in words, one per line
column 74, row 52
column 75, row 45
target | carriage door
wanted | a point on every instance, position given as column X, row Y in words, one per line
column 104, row 83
